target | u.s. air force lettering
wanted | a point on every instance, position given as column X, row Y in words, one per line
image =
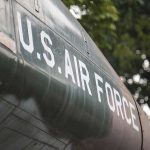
column 40, row 46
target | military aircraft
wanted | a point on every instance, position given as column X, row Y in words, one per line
column 57, row 90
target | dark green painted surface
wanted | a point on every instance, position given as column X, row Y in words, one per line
column 52, row 109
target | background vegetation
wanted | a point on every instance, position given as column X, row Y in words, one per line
column 121, row 29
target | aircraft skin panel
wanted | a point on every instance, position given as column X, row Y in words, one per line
column 20, row 130
column 57, row 91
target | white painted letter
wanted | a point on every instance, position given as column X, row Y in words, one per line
column 118, row 103
column 49, row 62
column 68, row 66
column 110, row 96
column 28, row 47
column 132, row 108
column 125, row 102
column 84, row 76
column 77, row 72
column 99, row 89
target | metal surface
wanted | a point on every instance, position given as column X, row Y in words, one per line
column 8, row 42
column 57, row 90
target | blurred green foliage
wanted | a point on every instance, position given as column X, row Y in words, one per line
column 121, row 29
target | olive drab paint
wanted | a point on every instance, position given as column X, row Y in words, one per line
column 78, row 73
column 57, row 90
